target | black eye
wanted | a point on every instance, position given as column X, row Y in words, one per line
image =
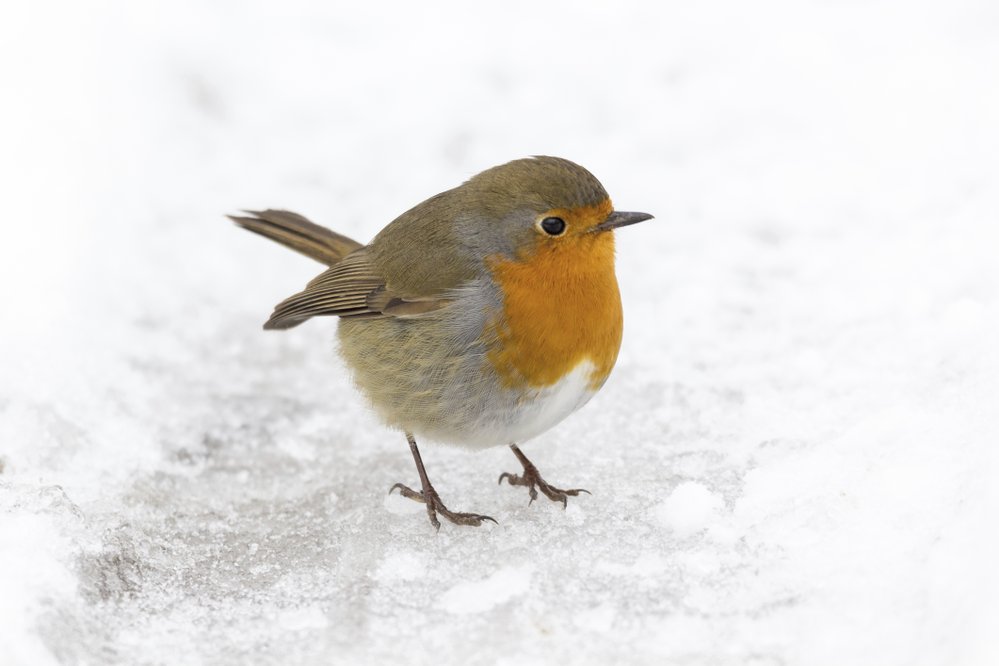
column 553, row 226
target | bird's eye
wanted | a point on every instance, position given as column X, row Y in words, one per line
column 553, row 226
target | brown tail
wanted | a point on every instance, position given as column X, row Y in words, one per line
column 294, row 231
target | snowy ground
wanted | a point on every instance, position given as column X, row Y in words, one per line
column 792, row 464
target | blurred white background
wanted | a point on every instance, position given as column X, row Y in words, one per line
column 792, row 464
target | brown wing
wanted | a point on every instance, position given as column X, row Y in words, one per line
column 351, row 288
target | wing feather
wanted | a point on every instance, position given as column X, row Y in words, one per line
column 350, row 288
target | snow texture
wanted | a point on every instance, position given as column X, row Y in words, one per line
column 794, row 461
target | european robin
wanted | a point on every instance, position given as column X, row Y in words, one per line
column 481, row 317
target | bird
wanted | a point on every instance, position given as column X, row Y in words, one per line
column 481, row 317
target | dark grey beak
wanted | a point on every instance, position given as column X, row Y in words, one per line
column 620, row 219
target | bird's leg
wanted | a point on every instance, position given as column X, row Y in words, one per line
column 532, row 479
column 430, row 497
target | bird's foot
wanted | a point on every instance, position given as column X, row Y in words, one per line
column 435, row 506
column 532, row 479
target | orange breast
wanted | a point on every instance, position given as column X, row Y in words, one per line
column 561, row 306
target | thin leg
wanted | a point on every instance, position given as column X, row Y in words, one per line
column 430, row 497
column 532, row 479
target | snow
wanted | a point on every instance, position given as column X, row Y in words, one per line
column 479, row 596
column 793, row 462
column 690, row 508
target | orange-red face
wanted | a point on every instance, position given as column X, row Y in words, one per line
column 561, row 304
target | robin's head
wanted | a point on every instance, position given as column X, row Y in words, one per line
column 539, row 203
column 546, row 212
column 544, row 229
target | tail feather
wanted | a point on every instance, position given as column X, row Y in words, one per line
column 294, row 231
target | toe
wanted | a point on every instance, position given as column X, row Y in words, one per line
column 407, row 492
column 471, row 519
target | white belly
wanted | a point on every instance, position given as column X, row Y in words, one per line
column 512, row 421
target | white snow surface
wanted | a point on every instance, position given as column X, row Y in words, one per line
column 794, row 461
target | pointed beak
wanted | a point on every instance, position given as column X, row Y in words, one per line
column 621, row 219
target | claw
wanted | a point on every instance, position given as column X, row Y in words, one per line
column 430, row 497
column 531, row 478
column 435, row 506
